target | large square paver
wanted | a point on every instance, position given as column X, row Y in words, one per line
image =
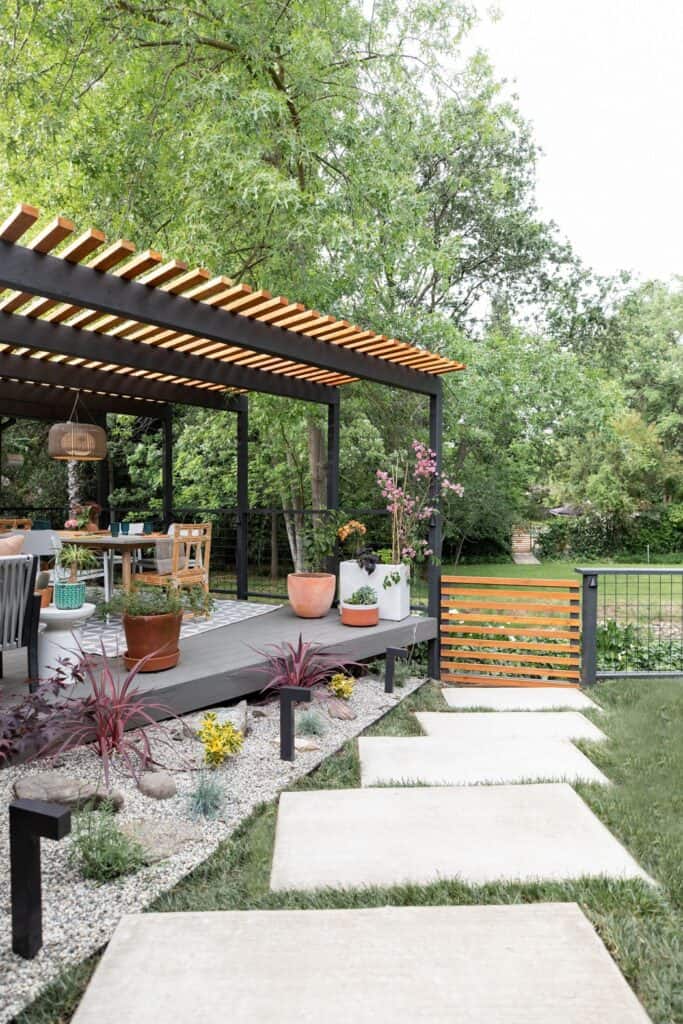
column 533, row 725
column 386, row 760
column 539, row 964
column 388, row 836
column 517, row 698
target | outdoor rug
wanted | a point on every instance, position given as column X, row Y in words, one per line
column 96, row 632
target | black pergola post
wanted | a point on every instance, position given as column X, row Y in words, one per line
column 435, row 530
column 333, row 419
column 167, row 465
column 242, row 549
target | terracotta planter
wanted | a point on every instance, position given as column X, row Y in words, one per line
column 45, row 596
column 311, row 593
column 157, row 635
column 359, row 614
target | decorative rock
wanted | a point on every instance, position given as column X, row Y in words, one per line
column 237, row 715
column 306, row 743
column 159, row 839
column 340, row 709
column 55, row 787
column 157, row 785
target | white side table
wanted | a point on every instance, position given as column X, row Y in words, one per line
column 56, row 641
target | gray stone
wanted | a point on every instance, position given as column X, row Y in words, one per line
column 159, row 838
column 306, row 743
column 536, row 964
column 473, row 760
column 513, row 698
column 157, row 785
column 237, row 716
column 58, row 788
column 479, row 834
column 340, row 709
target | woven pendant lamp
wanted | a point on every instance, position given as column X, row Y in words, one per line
column 77, row 442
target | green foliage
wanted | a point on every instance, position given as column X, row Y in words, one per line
column 159, row 601
column 309, row 723
column 75, row 558
column 100, row 850
column 630, row 648
column 207, row 799
column 364, row 595
column 657, row 531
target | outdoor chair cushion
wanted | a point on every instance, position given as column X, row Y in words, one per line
column 11, row 545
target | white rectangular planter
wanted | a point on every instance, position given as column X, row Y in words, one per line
column 394, row 601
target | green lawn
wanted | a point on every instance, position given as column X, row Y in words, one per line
column 642, row 927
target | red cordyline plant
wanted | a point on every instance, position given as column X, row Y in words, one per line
column 113, row 718
column 304, row 664
column 408, row 489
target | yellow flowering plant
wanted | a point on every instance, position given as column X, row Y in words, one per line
column 220, row 740
column 342, row 685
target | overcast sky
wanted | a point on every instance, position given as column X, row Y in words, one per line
column 602, row 83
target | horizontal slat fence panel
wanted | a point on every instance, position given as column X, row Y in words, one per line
column 510, row 632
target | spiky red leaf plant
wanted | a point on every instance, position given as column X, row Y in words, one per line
column 304, row 664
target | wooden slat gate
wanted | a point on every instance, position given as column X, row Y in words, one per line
column 510, row 632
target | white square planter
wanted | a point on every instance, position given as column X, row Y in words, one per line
column 394, row 602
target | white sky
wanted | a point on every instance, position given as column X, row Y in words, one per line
column 602, row 83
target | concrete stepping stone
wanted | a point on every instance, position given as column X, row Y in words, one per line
column 358, row 837
column 476, row 760
column 513, row 698
column 538, row 964
column 533, row 725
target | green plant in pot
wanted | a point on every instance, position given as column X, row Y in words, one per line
column 361, row 608
column 311, row 591
column 152, row 617
column 74, row 558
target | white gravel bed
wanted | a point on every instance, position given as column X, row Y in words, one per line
column 79, row 916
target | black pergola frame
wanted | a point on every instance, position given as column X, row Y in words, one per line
column 39, row 274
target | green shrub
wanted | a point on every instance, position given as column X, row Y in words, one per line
column 309, row 723
column 207, row 798
column 597, row 535
column 100, row 849
column 630, row 649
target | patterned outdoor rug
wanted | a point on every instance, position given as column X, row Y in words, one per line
column 95, row 632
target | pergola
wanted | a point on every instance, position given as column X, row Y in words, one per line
column 137, row 334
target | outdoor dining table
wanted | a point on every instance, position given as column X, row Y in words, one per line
column 124, row 544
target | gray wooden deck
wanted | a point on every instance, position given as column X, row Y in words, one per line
column 224, row 663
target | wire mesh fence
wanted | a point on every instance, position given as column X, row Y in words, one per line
column 633, row 621
column 269, row 551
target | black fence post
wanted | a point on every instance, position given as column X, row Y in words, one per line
column 390, row 663
column 28, row 821
column 589, row 628
column 289, row 696
column 435, row 533
column 242, row 547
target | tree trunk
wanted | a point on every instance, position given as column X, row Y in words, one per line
column 317, row 460
column 73, row 485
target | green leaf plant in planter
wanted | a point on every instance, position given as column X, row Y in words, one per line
column 152, row 617
column 70, row 592
column 361, row 608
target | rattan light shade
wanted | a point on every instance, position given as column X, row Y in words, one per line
column 77, row 442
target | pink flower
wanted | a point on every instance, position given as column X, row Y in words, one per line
column 70, row 524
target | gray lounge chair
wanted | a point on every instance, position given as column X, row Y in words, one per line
column 20, row 610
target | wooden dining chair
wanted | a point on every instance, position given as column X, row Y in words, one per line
column 183, row 560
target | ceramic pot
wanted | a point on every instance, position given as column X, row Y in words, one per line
column 157, row 635
column 394, row 600
column 69, row 595
column 311, row 593
column 359, row 614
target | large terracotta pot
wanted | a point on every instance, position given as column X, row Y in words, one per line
column 149, row 634
column 311, row 593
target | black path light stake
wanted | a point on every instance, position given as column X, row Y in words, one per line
column 29, row 820
column 289, row 695
column 392, row 654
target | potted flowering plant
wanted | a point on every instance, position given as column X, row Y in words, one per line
column 361, row 608
column 408, row 490
column 311, row 590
